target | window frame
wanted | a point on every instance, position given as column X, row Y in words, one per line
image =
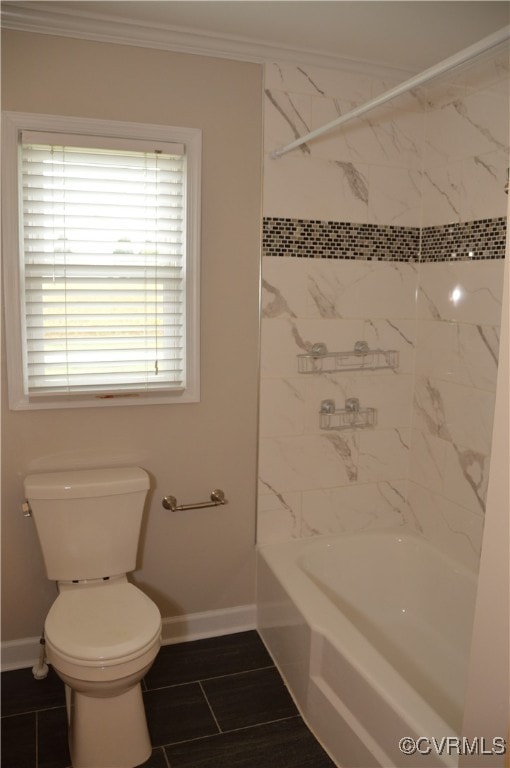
column 13, row 123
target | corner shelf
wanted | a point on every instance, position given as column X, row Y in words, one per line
column 361, row 358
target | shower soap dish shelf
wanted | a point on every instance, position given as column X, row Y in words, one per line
column 361, row 358
column 349, row 417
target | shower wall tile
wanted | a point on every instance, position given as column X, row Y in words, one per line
column 287, row 116
column 389, row 392
column 383, row 454
column 466, row 145
column 337, row 303
column 367, row 172
column 489, row 74
column 282, row 407
column 466, row 189
column 331, row 289
column 278, row 515
column 427, row 460
column 483, row 177
column 290, row 405
column 391, row 136
column 432, row 161
column 461, row 415
column 369, row 506
column 457, row 474
column 442, row 193
column 463, row 291
column 397, row 333
column 297, row 186
column 308, row 461
column 466, row 477
column 452, row 528
column 461, row 353
column 466, row 127
column 394, row 196
column 287, row 338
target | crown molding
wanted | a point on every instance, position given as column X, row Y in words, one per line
column 43, row 18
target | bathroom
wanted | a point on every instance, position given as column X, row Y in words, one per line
column 199, row 567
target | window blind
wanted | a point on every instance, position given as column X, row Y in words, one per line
column 103, row 263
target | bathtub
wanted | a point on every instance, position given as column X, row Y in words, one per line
column 371, row 633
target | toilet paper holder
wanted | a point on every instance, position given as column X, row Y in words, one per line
column 217, row 498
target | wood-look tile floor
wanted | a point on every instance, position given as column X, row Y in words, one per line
column 214, row 703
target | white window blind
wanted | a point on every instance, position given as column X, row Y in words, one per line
column 103, row 244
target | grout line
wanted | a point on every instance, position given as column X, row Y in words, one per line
column 233, row 730
column 165, row 756
column 36, row 740
column 210, row 707
column 33, row 711
column 214, row 677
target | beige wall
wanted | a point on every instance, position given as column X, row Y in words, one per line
column 198, row 560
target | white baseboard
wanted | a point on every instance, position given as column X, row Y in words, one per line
column 195, row 626
column 19, row 654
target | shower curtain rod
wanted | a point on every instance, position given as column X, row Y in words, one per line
column 443, row 66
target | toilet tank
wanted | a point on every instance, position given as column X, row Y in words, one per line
column 88, row 521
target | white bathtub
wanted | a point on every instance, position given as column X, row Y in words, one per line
column 371, row 632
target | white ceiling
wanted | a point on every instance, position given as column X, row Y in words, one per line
column 407, row 34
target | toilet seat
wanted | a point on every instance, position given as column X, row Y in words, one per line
column 102, row 625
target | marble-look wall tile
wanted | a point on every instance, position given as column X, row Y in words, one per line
column 427, row 460
column 461, row 415
column 483, row 179
column 389, row 136
column 466, row 292
column 465, row 189
column 467, row 127
column 466, row 145
column 318, row 81
column 278, row 515
column 397, row 333
column 330, row 289
column 282, row 406
column 284, row 339
column 287, row 116
column 384, row 454
column 307, row 462
column 461, row 353
column 337, row 303
column 301, row 187
column 442, row 194
column 395, row 196
column 437, row 156
column 487, row 74
column 466, row 477
column 452, row 528
column 368, row 506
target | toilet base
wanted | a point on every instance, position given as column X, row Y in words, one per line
column 109, row 732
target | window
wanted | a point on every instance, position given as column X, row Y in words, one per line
column 101, row 269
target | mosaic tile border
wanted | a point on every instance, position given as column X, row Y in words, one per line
column 471, row 241
column 314, row 239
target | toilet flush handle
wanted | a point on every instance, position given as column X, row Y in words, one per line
column 217, row 498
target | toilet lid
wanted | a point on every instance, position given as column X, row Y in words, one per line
column 101, row 623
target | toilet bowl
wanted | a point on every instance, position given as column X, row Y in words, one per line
column 101, row 638
column 102, row 633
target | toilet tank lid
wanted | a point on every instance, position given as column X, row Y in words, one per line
column 76, row 484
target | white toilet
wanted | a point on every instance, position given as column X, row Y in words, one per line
column 102, row 633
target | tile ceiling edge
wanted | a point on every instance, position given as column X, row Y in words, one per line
column 25, row 17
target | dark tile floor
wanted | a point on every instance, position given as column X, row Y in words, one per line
column 215, row 703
